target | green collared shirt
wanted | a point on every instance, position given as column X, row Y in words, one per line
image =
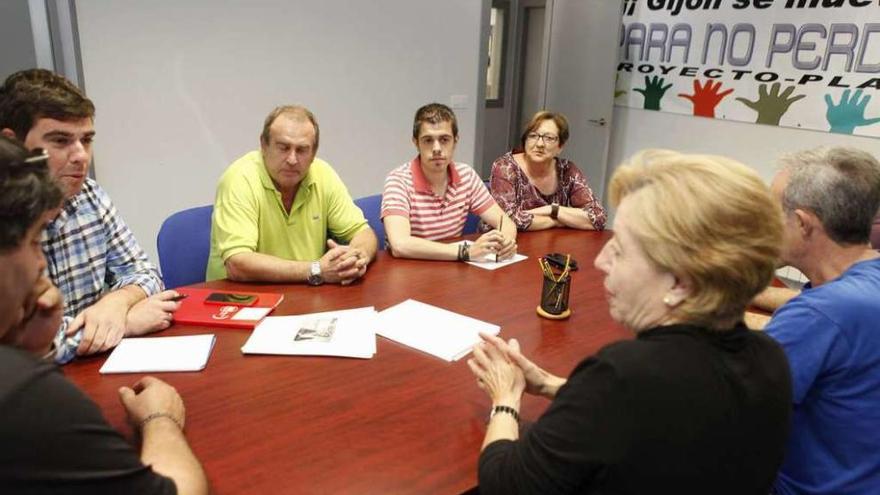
column 249, row 215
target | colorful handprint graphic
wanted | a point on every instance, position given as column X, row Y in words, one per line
column 706, row 97
column 772, row 105
column 653, row 92
column 849, row 113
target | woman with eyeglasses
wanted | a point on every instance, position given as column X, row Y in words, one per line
column 540, row 190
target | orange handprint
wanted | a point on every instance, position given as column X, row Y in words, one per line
column 706, row 97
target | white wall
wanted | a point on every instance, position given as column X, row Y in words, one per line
column 181, row 88
column 16, row 38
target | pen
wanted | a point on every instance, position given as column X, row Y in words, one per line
column 500, row 225
column 179, row 297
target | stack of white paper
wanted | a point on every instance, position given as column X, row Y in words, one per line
column 141, row 355
column 434, row 330
column 346, row 333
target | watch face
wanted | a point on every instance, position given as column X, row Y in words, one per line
column 315, row 277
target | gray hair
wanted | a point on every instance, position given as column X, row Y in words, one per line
column 297, row 112
column 840, row 185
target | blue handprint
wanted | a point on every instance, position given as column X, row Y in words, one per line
column 849, row 113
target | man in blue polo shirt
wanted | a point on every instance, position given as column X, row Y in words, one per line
column 830, row 331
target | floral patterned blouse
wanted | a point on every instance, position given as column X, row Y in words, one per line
column 514, row 193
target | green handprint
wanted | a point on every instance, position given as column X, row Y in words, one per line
column 849, row 113
column 773, row 105
column 653, row 92
column 618, row 92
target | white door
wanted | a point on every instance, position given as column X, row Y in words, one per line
column 581, row 63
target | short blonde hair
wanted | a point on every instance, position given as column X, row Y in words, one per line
column 706, row 219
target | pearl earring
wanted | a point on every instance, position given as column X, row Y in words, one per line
column 667, row 300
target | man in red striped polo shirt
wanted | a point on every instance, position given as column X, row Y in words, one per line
column 428, row 199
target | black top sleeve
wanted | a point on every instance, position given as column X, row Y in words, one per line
column 55, row 440
column 570, row 445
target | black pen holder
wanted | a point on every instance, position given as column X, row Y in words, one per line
column 554, row 298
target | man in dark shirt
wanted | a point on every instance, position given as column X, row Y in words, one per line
column 54, row 439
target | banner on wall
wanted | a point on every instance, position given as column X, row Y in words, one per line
column 811, row 64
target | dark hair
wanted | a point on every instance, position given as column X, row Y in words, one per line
column 297, row 112
column 434, row 113
column 840, row 185
column 29, row 95
column 537, row 119
column 26, row 192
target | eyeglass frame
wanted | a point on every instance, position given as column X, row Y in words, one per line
column 38, row 159
column 546, row 138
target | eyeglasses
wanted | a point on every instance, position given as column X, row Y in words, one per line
column 38, row 157
column 37, row 160
column 547, row 138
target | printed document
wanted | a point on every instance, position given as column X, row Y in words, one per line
column 344, row 333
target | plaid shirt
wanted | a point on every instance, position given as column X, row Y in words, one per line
column 90, row 251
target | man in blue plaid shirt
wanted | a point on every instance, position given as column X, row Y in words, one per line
column 111, row 289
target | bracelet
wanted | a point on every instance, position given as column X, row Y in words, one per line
column 504, row 409
column 554, row 211
column 158, row 415
column 464, row 252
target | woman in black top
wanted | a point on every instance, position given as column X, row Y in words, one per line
column 696, row 403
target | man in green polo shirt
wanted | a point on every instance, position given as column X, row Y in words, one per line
column 277, row 208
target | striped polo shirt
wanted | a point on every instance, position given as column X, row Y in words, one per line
column 407, row 193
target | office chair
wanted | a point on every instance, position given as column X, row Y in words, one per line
column 372, row 208
column 471, row 224
column 184, row 242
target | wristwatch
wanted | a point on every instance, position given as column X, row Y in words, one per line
column 554, row 211
column 315, row 277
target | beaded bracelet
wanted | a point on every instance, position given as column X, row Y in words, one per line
column 464, row 252
column 504, row 409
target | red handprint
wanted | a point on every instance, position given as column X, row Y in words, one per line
column 706, row 97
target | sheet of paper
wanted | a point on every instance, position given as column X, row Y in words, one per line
column 433, row 330
column 488, row 262
column 157, row 354
column 491, row 264
column 344, row 333
column 251, row 313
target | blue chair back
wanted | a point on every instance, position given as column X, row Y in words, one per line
column 372, row 208
column 184, row 242
column 471, row 224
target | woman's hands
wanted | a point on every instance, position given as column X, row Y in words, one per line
column 505, row 356
column 501, row 379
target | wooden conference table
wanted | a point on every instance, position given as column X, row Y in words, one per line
column 402, row 422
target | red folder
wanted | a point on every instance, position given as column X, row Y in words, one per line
column 194, row 311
